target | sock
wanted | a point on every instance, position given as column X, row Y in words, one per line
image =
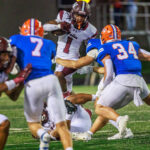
column 118, row 119
column 90, row 132
column 40, row 132
column 94, row 97
column 69, row 148
column 114, row 123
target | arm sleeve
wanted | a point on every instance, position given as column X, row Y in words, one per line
column 60, row 16
column 144, row 51
column 109, row 71
column 51, row 27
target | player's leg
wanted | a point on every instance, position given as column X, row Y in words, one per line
column 105, row 104
column 147, row 100
column 56, row 108
column 33, row 105
column 62, row 80
column 145, row 94
column 61, row 72
column 4, row 130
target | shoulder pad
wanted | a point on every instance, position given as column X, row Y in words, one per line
column 93, row 43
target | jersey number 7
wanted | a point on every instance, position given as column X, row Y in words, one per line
column 39, row 43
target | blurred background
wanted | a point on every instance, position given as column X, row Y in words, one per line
column 132, row 16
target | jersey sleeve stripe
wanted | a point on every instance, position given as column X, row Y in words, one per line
column 114, row 31
column 61, row 14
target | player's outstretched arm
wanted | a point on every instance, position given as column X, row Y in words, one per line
column 80, row 98
column 144, row 55
column 14, row 87
column 57, row 28
column 15, row 93
column 75, row 64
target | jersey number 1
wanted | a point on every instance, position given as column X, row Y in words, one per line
column 39, row 43
column 66, row 49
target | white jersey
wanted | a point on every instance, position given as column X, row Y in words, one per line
column 80, row 122
column 3, row 77
column 69, row 44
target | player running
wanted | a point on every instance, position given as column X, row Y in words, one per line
column 122, row 57
column 73, row 28
column 41, row 83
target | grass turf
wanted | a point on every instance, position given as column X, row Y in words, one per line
column 21, row 139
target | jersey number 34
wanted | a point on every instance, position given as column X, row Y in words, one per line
column 123, row 53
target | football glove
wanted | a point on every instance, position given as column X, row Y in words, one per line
column 71, row 108
column 23, row 74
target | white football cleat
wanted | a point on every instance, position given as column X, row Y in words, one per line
column 84, row 136
column 44, row 141
column 128, row 134
column 122, row 124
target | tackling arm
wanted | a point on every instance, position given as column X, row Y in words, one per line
column 75, row 64
column 8, row 86
column 144, row 55
column 14, row 94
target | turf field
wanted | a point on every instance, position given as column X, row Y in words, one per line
column 21, row 139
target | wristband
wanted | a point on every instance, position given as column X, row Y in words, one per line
column 10, row 84
column 94, row 97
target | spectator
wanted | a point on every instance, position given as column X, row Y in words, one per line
column 117, row 8
column 132, row 10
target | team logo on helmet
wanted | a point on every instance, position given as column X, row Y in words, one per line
column 110, row 33
column 32, row 27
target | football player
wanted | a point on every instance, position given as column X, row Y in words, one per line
column 42, row 83
column 11, row 87
column 125, row 57
column 78, row 119
column 72, row 29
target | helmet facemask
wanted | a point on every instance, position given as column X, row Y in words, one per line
column 5, row 53
column 5, row 59
column 80, row 13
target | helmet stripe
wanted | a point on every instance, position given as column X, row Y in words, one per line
column 32, row 27
column 83, row 6
column 114, row 31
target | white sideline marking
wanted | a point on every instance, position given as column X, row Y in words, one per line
column 18, row 129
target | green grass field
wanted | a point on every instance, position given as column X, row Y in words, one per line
column 21, row 139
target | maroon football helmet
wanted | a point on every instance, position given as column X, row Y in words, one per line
column 80, row 13
column 5, row 53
